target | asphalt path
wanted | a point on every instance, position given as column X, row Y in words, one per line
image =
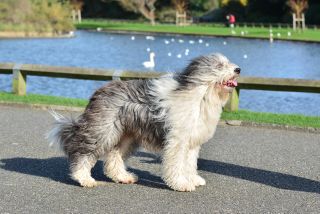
column 248, row 170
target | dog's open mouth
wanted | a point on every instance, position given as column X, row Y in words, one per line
column 231, row 83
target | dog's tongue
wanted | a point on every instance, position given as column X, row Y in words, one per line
column 232, row 83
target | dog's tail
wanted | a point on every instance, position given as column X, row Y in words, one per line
column 62, row 132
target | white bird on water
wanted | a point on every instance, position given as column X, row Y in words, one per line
column 150, row 38
column 186, row 52
column 150, row 64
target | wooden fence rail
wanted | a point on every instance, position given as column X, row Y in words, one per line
column 21, row 71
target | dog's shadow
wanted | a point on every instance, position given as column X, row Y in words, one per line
column 269, row 178
column 57, row 169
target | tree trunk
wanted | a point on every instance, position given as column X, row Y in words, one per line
column 148, row 13
column 145, row 7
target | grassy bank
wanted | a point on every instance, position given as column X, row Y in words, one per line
column 42, row 99
column 269, row 118
column 209, row 30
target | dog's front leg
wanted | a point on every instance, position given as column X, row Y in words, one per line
column 175, row 169
column 192, row 159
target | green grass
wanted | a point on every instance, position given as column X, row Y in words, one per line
column 269, row 118
column 257, row 32
column 42, row 99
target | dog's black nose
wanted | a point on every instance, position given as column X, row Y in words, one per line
column 237, row 70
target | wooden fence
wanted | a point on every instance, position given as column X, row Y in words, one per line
column 20, row 72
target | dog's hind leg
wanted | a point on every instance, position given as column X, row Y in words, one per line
column 114, row 165
column 80, row 167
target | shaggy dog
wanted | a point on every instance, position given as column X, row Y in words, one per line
column 172, row 114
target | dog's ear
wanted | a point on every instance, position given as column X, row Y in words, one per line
column 217, row 60
column 220, row 65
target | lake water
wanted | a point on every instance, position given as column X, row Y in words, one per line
column 103, row 50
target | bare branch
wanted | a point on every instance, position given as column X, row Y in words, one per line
column 298, row 6
column 145, row 7
column 180, row 5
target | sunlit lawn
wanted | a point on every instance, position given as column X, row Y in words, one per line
column 42, row 99
column 249, row 32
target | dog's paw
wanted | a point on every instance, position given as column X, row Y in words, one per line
column 182, row 184
column 89, row 183
column 198, row 180
column 127, row 178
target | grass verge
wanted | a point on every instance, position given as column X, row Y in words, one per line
column 271, row 118
column 268, row 118
column 208, row 30
column 42, row 99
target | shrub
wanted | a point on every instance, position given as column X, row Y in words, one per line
column 42, row 16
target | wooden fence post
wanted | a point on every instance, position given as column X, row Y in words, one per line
column 19, row 81
column 233, row 103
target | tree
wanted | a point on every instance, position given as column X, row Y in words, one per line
column 14, row 11
column 205, row 5
column 76, row 4
column 145, row 7
column 180, row 5
column 266, row 11
column 242, row 2
column 298, row 6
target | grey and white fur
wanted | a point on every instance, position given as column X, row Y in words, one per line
column 173, row 115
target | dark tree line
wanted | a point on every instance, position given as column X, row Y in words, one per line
column 207, row 10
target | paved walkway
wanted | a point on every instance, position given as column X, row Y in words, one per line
column 248, row 170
